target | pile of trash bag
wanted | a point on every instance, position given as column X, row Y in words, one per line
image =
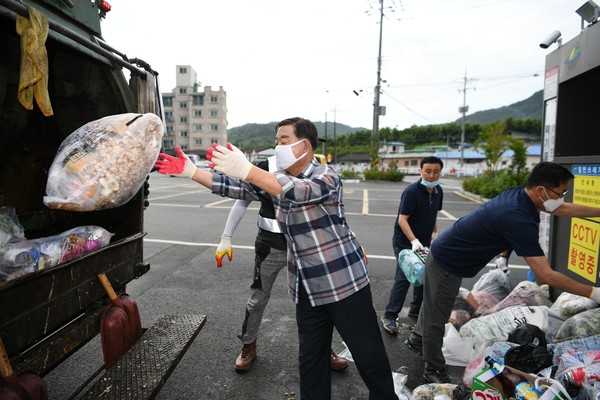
column 20, row 256
column 557, row 343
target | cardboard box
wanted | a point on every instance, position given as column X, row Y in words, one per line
column 486, row 386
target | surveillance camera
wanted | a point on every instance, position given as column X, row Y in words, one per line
column 552, row 38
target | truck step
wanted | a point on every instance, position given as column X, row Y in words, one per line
column 143, row 370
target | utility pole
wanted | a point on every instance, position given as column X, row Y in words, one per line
column 334, row 132
column 376, row 106
column 325, row 141
column 464, row 109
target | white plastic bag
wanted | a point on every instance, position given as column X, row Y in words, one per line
column 568, row 304
column 104, row 163
column 10, row 228
column 456, row 349
column 584, row 324
column 494, row 282
column 495, row 327
column 525, row 293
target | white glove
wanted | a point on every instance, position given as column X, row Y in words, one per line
column 595, row 295
column 502, row 264
column 416, row 245
column 177, row 166
column 230, row 161
column 224, row 248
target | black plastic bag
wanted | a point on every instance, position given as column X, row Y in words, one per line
column 527, row 333
column 528, row 358
column 461, row 392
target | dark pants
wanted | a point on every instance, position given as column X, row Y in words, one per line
column 355, row 319
column 399, row 292
column 441, row 289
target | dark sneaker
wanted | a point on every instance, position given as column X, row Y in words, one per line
column 413, row 347
column 439, row 376
column 389, row 325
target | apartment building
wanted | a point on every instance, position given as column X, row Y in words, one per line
column 195, row 118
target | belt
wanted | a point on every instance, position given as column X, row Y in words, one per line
column 268, row 224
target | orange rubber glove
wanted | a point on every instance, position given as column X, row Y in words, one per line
column 176, row 166
column 224, row 248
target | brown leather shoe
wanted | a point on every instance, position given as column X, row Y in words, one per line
column 247, row 355
column 337, row 363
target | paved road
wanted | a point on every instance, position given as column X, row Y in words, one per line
column 184, row 223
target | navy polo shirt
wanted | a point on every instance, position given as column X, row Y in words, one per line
column 422, row 207
column 508, row 221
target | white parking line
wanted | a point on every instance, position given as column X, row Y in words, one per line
column 370, row 256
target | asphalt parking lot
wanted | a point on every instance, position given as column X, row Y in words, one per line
column 183, row 223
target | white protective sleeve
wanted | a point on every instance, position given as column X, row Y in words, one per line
column 235, row 216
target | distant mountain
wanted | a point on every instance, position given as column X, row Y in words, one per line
column 531, row 107
column 254, row 136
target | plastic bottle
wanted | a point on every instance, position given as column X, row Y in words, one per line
column 413, row 268
column 513, row 385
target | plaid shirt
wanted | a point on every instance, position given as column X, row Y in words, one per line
column 323, row 252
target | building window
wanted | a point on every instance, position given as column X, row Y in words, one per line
column 184, row 147
column 183, row 119
column 169, row 128
column 198, row 142
column 168, row 101
column 198, row 100
column 197, row 127
column 214, row 99
column 182, row 90
column 168, row 144
column 406, row 163
column 183, row 104
column 413, row 163
column 214, row 141
column 182, row 70
column 214, row 127
column 183, row 133
column 214, row 113
column 197, row 113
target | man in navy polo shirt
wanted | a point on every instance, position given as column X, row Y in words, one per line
column 509, row 221
column 414, row 228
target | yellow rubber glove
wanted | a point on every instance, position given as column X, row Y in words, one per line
column 224, row 248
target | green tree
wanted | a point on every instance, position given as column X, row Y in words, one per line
column 493, row 141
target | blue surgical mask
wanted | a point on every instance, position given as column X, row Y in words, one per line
column 428, row 184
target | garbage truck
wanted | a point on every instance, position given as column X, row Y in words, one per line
column 47, row 314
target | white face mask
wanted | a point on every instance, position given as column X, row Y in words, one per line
column 285, row 155
column 552, row 204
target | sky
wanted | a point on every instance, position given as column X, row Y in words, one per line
column 318, row 59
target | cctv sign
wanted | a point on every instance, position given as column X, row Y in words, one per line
column 585, row 233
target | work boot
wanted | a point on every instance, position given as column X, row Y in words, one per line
column 337, row 363
column 247, row 355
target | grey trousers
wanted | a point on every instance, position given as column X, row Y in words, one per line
column 268, row 262
column 439, row 292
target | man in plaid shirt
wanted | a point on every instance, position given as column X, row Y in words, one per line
column 327, row 274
